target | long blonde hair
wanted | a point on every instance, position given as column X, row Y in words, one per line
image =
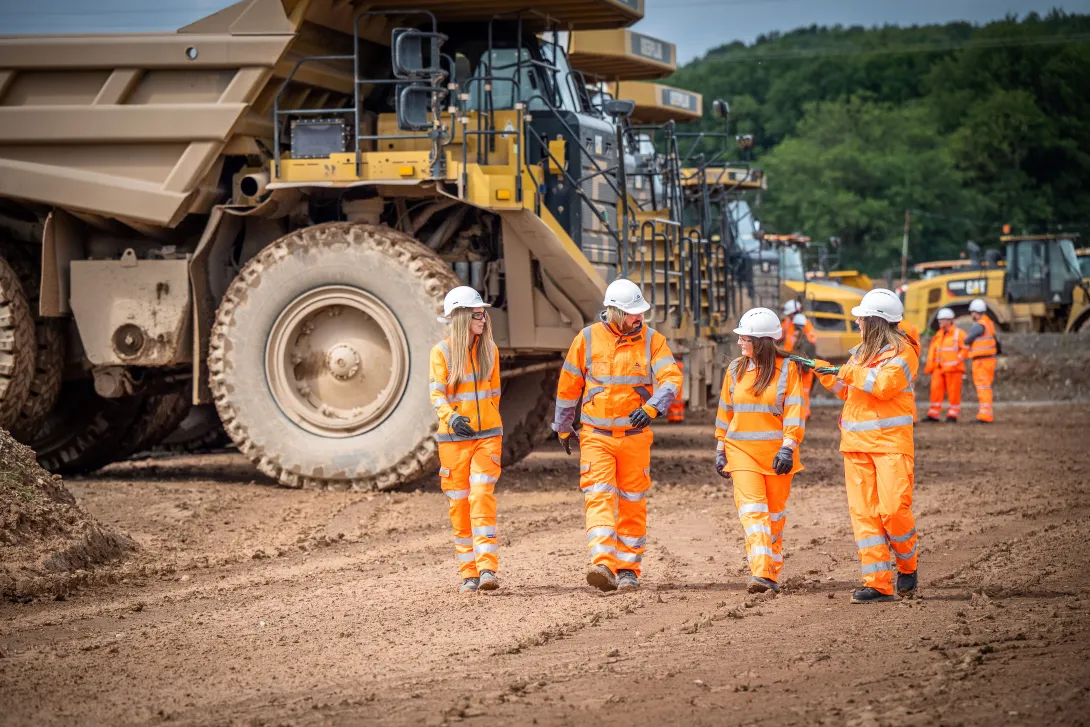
column 461, row 340
column 877, row 334
column 615, row 318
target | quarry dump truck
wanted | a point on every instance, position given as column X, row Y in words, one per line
column 264, row 209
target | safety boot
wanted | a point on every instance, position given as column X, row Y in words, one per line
column 489, row 581
column 627, row 580
column 760, row 585
column 602, row 578
column 469, row 585
column 906, row 583
column 930, row 420
column 951, row 420
column 871, row 595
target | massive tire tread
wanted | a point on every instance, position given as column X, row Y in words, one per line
column 526, row 406
column 160, row 414
column 18, row 346
column 199, row 431
column 83, row 432
column 45, row 386
column 408, row 277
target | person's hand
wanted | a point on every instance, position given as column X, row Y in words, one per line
column 827, row 370
column 639, row 418
column 805, row 363
column 783, row 461
column 721, row 463
column 565, row 442
column 460, row 425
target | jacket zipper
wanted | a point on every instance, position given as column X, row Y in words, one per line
column 476, row 397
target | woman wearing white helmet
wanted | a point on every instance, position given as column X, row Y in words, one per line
column 465, row 391
column 946, row 364
column 758, row 430
column 876, row 440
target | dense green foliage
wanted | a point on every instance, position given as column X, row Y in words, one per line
column 968, row 127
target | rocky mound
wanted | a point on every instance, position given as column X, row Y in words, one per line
column 48, row 544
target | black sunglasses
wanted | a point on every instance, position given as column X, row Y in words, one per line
column 479, row 315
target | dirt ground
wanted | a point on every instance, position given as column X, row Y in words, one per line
column 252, row 605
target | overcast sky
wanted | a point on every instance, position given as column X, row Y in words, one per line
column 695, row 26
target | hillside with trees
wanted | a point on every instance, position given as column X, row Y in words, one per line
column 969, row 127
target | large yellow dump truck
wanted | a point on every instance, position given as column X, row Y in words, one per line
column 264, row 209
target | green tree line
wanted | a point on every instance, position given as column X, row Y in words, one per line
column 969, row 127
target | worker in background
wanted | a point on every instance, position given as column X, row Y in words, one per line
column 758, row 431
column 624, row 376
column 800, row 337
column 946, row 364
column 983, row 348
column 876, row 440
column 913, row 334
column 676, row 412
column 465, row 390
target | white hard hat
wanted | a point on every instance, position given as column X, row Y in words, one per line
column 791, row 306
column 461, row 297
column 880, row 303
column 760, row 323
column 945, row 314
column 978, row 306
column 799, row 319
column 626, row 295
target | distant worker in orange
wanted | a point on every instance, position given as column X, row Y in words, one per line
column 758, row 431
column 876, row 440
column 465, row 391
column 983, row 348
column 946, row 364
column 913, row 334
column 624, row 376
column 800, row 337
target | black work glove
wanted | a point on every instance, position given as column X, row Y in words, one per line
column 565, row 442
column 806, row 363
column 721, row 463
column 783, row 461
column 827, row 370
column 460, row 425
column 639, row 418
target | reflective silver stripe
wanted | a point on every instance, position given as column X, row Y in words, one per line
column 483, row 434
column 903, row 538
column 876, row 568
column 908, row 555
column 904, row 367
column 620, row 422
column 601, row 531
column 467, row 557
column 725, row 405
column 486, row 548
column 475, row 395
column 868, row 383
column 586, row 346
column 662, row 362
column 794, row 422
column 870, row 426
column 603, row 549
column 777, row 516
column 446, row 351
column 777, row 557
column 755, row 507
column 719, row 447
column 756, row 409
column 776, row 537
column 794, row 401
column 600, row 487
column 758, row 528
column 570, row 368
column 756, row 436
column 761, row 550
column 789, row 443
column 721, row 423
column 632, row 496
column 632, row 542
column 781, row 386
column 566, row 403
column 592, row 392
column 456, row 494
column 629, row 557
column 647, row 335
column 482, row 479
column 463, row 541
column 625, row 380
column 870, row 542
column 838, row 386
column 487, row 531
column 437, row 386
column 440, row 401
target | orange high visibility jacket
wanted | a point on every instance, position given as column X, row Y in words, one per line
column 947, row 351
column 476, row 396
column 612, row 375
column 791, row 333
column 750, row 427
column 913, row 333
column 879, row 403
column 981, row 339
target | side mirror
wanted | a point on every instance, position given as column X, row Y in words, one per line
column 414, row 107
column 618, row 108
column 407, row 53
column 721, row 109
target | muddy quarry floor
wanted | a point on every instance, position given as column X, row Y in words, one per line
column 252, row 605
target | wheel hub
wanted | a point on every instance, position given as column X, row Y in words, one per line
column 337, row 361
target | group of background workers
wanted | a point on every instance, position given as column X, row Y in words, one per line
column 619, row 375
column 946, row 356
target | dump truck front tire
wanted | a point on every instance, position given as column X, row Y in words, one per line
column 318, row 360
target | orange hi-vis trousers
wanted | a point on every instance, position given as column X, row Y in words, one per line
column 615, row 474
column 762, row 508
column 880, row 503
column 468, row 473
column 946, row 385
column 983, row 377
